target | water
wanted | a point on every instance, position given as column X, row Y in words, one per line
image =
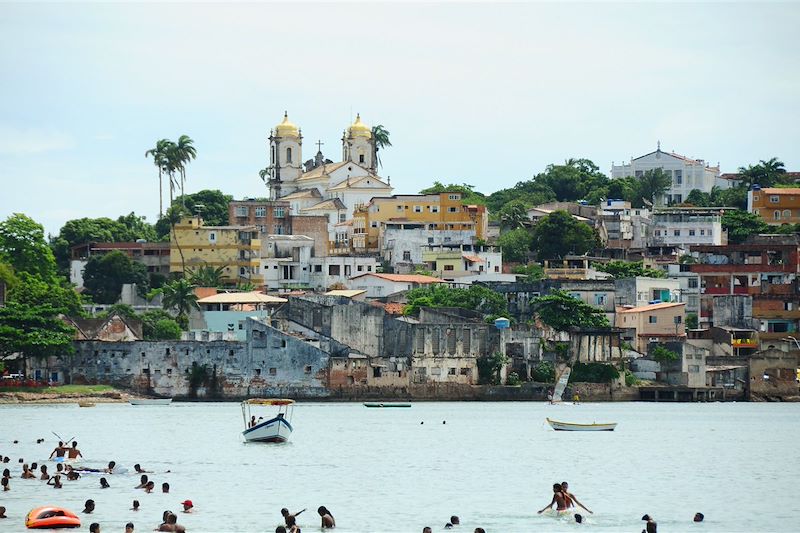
column 380, row 470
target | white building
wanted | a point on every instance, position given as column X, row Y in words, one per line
column 689, row 286
column 685, row 226
column 641, row 291
column 401, row 242
column 380, row 285
column 686, row 174
column 338, row 269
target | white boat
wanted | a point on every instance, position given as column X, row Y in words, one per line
column 569, row 426
column 150, row 401
column 276, row 429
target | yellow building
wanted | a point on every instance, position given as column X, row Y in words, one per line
column 235, row 248
column 442, row 211
column 775, row 205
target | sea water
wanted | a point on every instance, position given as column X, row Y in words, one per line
column 398, row 470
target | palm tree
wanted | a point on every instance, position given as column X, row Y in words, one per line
column 179, row 295
column 765, row 173
column 173, row 216
column 184, row 153
column 380, row 139
column 514, row 215
column 159, row 155
column 207, row 276
column 264, row 174
column 652, row 185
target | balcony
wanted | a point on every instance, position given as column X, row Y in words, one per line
column 744, row 343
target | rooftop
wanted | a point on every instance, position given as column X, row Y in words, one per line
column 241, row 298
column 402, row 278
column 651, row 307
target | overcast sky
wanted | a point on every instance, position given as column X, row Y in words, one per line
column 471, row 93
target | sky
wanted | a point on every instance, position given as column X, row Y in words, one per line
column 484, row 94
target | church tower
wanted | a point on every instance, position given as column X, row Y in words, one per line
column 285, row 158
column 358, row 145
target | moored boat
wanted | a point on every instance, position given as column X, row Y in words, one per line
column 276, row 429
column 51, row 518
column 85, row 404
column 569, row 426
column 150, row 401
column 386, row 404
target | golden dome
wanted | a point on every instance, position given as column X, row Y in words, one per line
column 359, row 129
column 286, row 128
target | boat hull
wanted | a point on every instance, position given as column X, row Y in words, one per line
column 275, row 430
column 151, row 401
column 383, row 405
column 567, row 426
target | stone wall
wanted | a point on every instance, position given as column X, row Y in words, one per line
column 773, row 374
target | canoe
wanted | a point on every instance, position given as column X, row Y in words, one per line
column 151, row 401
column 375, row 404
column 85, row 404
column 569, row 426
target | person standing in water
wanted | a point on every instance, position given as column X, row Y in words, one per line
column 74, row 452
column 559, row 500
column 59, row 450
column 571, row 499
column 327, row 518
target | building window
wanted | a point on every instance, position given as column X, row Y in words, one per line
column 241, row 211
column 278, row 211
column 261, row 212
column 308, row 369
column 448, row 267
column 776, row 215
column 702, row 232
column 434, row 209
column 774, row 199
column 652, row 319
column 212, row 237
column 755, row 198
column 406, row 255
column 678, row 177
column 418, row 209
column 691, row 233
column 373, row 224
column 452, row 209
column 342, row 217
column 658, row 233
column 787, row 213
column 693, row 283
column 676, row 232
column 599, row 299
column 451, row 371
column 273, row 371
column 361, row 158
column 278, row 229
column 399, row 207
column 288, row 155
column 242, row 271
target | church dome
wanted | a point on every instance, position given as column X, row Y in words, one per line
column 286, row 128
column 359, row 129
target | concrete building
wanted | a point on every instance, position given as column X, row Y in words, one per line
column 268, row 216
column 286, row 261
column 153, row 255
column 380, row 285
column 236, row 249
column 452, row 262
column 575, row 267
column 686, row 174
column 685, row 226
column 336, row 270
column 764, row 268
column 626, row 228
column 402, row 243
column 688, row 286
column 443, row 211
column 655, row 323
column 640, row 291
column 776, row 206
column 228, row 313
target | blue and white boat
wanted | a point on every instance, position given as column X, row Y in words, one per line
column 276, row 429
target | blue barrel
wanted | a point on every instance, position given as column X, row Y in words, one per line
column 502, row 323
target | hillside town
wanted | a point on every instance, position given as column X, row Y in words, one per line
column 665, row 280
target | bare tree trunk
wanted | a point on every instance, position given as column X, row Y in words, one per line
column 160, row 195
column 180, row 250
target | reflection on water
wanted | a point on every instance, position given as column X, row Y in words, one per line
column 383, row 470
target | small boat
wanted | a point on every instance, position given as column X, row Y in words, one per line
column 275, row 429
column 569, row 426
column 150, row 401
column 85, row 404
column 390, row 404
column 51, row 518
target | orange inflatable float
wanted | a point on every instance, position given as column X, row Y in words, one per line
column 51, row 518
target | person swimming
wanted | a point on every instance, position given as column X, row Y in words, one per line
column 140, row 470
column 651, row 526
column 26, row 473
column 698, row 517
column 58, row 451
column 327, row 518
column 165, row 488
column 3, row 512
column 559, row 499
column 74, row 452
column 111, row 466
column 45, row 476
column 55, row 481
column 88, row 507
column 135, row 505
column 286, row 514
column 104, row 483
column 149, row 487
column 142, row 482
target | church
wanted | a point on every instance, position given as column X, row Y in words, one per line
column 319, row 186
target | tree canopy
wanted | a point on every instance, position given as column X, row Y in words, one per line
column 561, row 312
column 476, row 298
column 559, row 234
column 470, row 195
column 105, row 275
column 211, row 205
column 23, row 246
column 515, row 245
column 629, row 269
column 740, row 225
column 32, row 291
column 33, row 331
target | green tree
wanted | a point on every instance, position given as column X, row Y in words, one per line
column 33, row 331
column 105, row 275
column 179, row 295
column 561, row 312
column 764, row 173
column 528, row 273
column 574, row 180
column 32, row 290
column 698, row 198
column 469, row 196
column 160, row 160
column 544, row 372
column 23, row 246
column 651, row 186
column 514, row 215
column 212, row 205
column 150, row 319
column 380, row 138
column 559, row 234
column 166, row 329
column 183, row 153
column 691, row 320
column 662, row 354
column 515, row 245
column 629, row 269
column 531, row 192
column 593, row 373
column 476, row 298
column 740, row 225
column 207, row 276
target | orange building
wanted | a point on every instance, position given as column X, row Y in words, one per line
column 775, row 205
column 442, row 211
